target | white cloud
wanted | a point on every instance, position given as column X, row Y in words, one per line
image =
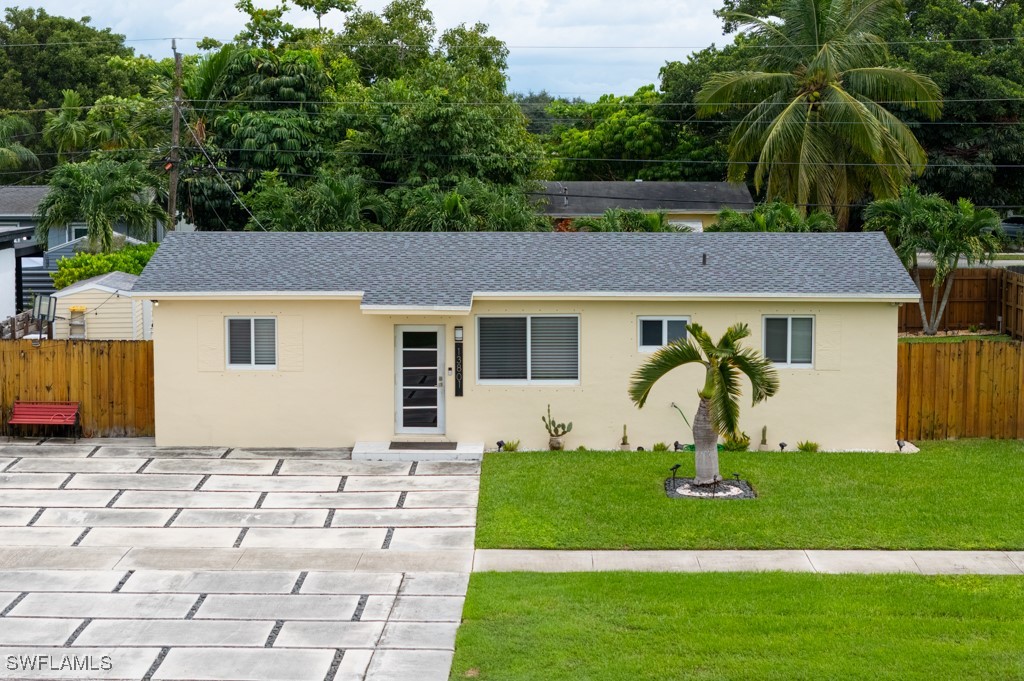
column 552, row 27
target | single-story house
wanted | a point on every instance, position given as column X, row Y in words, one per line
column 693, row 205
column 102, row 308
column 468, row 337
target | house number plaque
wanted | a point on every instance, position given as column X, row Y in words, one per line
column 458, row 369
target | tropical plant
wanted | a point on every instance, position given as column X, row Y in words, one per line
column 925, row 223
column 807, row 446
column 14, row 154
column 818, row 131
column 736, row 443
column 775, row 216
column 659, row 447
column 718, row 410
column 626, row 220
column 67, row 129
column 510, row 446
column 102, row 193
column 555, row 429
column 130, row 259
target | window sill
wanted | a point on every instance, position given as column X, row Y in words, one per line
column 247, row 368
column 778, row 365
column 527, row 383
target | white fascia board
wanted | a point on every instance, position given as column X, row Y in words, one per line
column 453, row 310
column 91, row 287
column 248, row 295
column 682, row 295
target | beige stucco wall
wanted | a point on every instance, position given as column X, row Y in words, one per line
column 334, row 384
column 107, row 317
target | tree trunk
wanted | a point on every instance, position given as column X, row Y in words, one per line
column 945, row 299
column 705, row 445
column 932, row 327
column 920, row 300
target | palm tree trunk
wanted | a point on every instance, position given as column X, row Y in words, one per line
column 920, row 300
column 705, row 445
column 945, row 299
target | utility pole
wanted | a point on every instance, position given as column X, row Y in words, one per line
column 172, row 194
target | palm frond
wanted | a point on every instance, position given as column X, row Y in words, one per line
column 672, row 356
column 724, row 90
column 723, row 403
column 891, row 84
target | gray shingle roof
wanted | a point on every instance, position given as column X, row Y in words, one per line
column 445, row 269
column 563, row 199
column 20, row 201
column 119, row 281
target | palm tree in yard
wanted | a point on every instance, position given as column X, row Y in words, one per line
column 925, row 223
column 13, row 154
column 102, row 193
column 67, row 129
column 718, row 409
column 818, row 127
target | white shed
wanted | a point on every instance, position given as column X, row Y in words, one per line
column 102, row 308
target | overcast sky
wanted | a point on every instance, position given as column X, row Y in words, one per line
column 666, row 30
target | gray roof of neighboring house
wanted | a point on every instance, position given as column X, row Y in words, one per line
column 566, row 199
column 446, row 269
column 118, row 281
column 21, row 201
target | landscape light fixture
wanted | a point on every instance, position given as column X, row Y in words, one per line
column 782, row 446
column 901, row 444
column 677, row 445
column 736, row 477
column 501, row 445
column 674, row 469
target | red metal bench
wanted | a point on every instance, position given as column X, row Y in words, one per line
column 47, row 414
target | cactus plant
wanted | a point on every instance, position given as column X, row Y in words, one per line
column 625, row 438
column 555, row 429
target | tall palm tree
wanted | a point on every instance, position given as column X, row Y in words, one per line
column 13, row 154
column 102, row 193
column 819, row 130
column 718, row 409
column 776, row 216
column 67, row 130
column 344, row 203
column 925, row 223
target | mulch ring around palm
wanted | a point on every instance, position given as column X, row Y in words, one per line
column 684, row 488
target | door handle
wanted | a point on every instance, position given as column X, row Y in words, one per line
column 440, row 380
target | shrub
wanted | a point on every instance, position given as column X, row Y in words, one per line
column 511, row 446
column 660, row 447
column 737, row 443
column 131, row 260
column 807, row 446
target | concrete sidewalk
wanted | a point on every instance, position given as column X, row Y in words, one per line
column 829, row 562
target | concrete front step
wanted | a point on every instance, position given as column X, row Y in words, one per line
column 382, row 451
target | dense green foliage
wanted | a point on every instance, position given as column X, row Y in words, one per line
column 773, row 217
column 416, row 116
column 850, row 500
column 130, row 259
column 648, row 627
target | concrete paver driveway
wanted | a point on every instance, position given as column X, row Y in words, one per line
column 126, row 562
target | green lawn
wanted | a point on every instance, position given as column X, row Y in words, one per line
column 995, row 337
column 643, row 626
column 952, row 495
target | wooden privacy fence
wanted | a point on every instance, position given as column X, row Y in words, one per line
column 1013, row 302
column 974, row 301
column 957, row 390
column 113, row 381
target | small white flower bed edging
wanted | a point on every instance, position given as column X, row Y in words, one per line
column 684, row 488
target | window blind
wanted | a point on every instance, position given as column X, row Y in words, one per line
column 240, row 341
column 802, row 342
column 554, row 348
column 776, row 339
column 265, row 341
column 503, row 348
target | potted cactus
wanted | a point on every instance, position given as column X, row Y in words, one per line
column 556, row 432
column 624, row 445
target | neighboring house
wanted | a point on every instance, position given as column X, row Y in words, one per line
column 326, row 339
column 14, row 241
column 36, row 279
column 102, row 308
column 688, row 204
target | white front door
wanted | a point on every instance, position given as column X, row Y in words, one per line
column 419, row 379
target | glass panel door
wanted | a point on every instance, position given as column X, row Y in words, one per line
column 420, row 377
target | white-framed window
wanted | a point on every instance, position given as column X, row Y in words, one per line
column 78, row 231
column 528, row 349
column 789, row 340
column 654, row 333
column 251, row 343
